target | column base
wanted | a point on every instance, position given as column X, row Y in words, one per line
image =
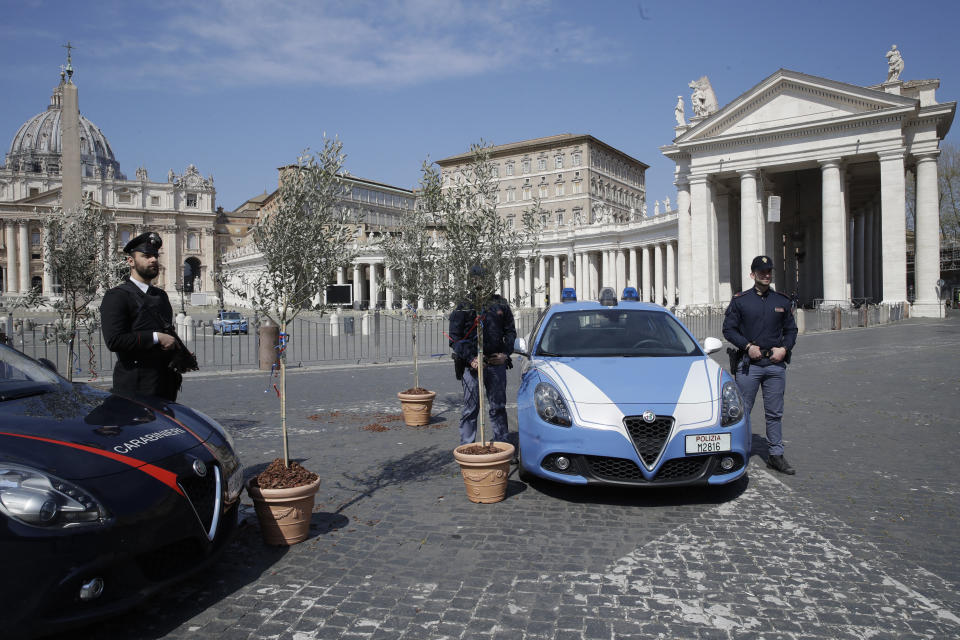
column 927, row 309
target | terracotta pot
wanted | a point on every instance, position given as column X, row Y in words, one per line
column 284, row 514
column 416, row 407
column 485, row 476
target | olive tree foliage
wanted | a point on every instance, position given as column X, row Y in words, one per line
column 412, row 254
column 302, row 242
column 474, row 233
column 948, row 165
column 76, row 241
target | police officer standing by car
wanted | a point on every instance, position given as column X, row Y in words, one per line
column 759, row 322
column 138, row 326
column 499, row 332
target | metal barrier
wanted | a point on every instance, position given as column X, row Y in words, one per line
column 313, row 340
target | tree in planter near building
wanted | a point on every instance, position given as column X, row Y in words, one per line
column 413, row 258
column 302, row 242
column 75, row 241
column 474, row 233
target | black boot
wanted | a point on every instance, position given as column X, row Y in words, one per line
column 779, row 463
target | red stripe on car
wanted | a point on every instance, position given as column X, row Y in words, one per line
column 166, row 477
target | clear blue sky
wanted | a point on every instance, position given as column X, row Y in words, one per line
column 240, row 87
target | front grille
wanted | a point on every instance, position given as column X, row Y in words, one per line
column 680, row 469
column 649, row 437
column 614, row 468
column 202, row 493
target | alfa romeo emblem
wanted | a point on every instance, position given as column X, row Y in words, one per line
column 649, row 416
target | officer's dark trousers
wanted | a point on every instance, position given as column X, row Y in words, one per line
column 495, row 385
column 773, row 380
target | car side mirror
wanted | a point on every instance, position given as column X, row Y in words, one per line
column 712, row 345
column 520, row 347
column 48, row 364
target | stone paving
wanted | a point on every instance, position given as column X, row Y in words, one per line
column 861, row 543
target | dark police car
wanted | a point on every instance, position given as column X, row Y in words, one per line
column 103, row 499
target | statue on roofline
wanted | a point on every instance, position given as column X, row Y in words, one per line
column 894, row 64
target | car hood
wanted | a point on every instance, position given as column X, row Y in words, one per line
column 81, row 432
column 603, row 390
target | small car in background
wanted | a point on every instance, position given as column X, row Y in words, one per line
column 620, row 393
column 229, row 322
column 104, row 500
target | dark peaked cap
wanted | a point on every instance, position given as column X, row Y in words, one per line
column 148, row 243
column 761, row 263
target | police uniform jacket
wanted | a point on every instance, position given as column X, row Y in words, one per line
column 142, row 366
column 765, row 320
column 499, row 330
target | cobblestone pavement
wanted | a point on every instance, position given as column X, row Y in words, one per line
column 861, row 543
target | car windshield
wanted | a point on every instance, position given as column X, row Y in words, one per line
column 231, row 315
column 21, row 377
column 615, row 332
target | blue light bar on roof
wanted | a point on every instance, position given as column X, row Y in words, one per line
column 630, row 293
column 568, row 294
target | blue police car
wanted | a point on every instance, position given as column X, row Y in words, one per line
column 619, row 392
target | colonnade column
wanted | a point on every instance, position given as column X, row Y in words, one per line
column 927, row 239
column 593, row 269
column 893, row 225
column 647, row 294
column 869, row 283
column 684, row 254
column 571, row 271
column 374, row 286
column 699, row 240
column 388, row 294
column 621, row 271
column 671, row 276
column 834, row 275
column 528, row 282
column 858, row 255
column 555, row 279
column 658, row 273
column 24, row 232
column 634, row 270
column 748, row 227
column 357, row 282
column 10, row 242
column 541, row 282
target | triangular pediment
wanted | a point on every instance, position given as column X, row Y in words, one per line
column 789, row 100
column 50, row 198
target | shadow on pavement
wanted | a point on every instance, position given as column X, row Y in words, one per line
column 416, row 466
column 642, row 496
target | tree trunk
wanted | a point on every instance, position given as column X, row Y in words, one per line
column 72, row 343
column 283, row 394
column 416, row 368
column 481, row 415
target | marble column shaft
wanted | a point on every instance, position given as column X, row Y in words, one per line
column 927, row 238
column 834, row 275
column 748, row 227
column 10, row 242
column 671, row 276
column 24, row 250
column 893, row 227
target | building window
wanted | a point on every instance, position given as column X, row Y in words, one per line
column 192, row 200
column 34, row 191
column 35, row 238
column 509, row 168
column 543, row 191
column 193, row 242
column 155, row 201
column 542, row 164
column 526, row 166
column 124, row 238
column 496, row 171
column 576, row 159
column 559, row 218
column 559, row 162
column 578, row 186
column 510, row 221
column 526, row 193
column 123, row 198
column 559, row 189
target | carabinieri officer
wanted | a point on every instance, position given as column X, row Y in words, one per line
column 137, row 323
column 760, row 323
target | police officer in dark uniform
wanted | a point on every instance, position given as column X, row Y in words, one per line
column 138, row 326
column 499, row 332
column 760, row 323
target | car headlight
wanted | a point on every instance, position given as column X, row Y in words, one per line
column 39, row 499
column 550, row 405
column 731, row 404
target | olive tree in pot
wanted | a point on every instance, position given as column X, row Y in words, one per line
column 74, row 240
column 302, row 241
column 479, row 249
